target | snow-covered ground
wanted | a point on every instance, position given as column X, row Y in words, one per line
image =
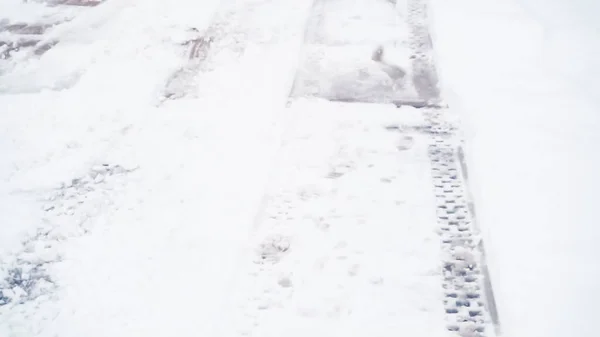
column 523, row 74
column 129, row 210
column 346, row 243
column 156, row 179
column 341, row 36
column 144, row 244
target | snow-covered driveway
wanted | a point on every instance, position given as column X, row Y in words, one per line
column 232, row 168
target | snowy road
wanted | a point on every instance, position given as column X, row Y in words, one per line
column 225, row 171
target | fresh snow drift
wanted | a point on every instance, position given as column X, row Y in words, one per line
column 521, row 73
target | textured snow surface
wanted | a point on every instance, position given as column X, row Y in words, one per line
column 130, row 213
column 341, row 37
column 346, row 243
column 157, row 179
column 126, row 214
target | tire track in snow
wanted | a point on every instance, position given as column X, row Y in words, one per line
column 25, row 36
column 69, row 211
column 469, row 299
column 202, row 45
column 24, row 276
column 236, row 28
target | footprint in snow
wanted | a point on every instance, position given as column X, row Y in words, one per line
column 405, row 143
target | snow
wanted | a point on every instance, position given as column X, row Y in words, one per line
column 570, row 45
column 176, row 169
column 346, row 243
column 522, row 78
column 133, row 213
column 341, row 37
